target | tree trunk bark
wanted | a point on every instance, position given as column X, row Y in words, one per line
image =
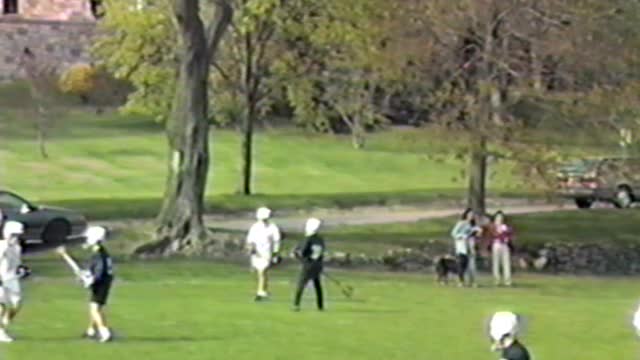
column 249, row 118
column 180, row 225
column 476, row 194
column 357, row 134
column 247, row 150
column 42, row 133
column 180, row 220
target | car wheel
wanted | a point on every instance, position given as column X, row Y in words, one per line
column 584, row 203
column 624, row 198
column 56, row 232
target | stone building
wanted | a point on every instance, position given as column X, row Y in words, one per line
column 59, row 31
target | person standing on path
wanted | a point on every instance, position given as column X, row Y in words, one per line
column 501, row 246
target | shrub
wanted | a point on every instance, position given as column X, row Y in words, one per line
column 79, row 79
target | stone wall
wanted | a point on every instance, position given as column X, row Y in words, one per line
column 564, row 258
column 59, row 43
column 54, row 10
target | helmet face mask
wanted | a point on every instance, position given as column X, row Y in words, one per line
column 312, row 226
column 503, row 329
column 94, row 236
column 12, row 231
column 263, row 214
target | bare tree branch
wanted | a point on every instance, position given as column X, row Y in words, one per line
column 218, row 27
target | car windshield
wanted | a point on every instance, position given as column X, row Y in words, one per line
column 10, row 202
column 579, row 166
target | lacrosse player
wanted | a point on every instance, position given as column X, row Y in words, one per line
column 636, row 321
column 263, row 243
column 10, row 254
column 98, row 279
column 503, row 329
column 311, row 252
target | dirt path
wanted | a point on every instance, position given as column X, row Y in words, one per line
column 368, row 216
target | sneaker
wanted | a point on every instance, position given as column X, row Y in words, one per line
column 4, row 337
column 105, row 336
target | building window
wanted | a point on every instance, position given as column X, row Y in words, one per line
column 96, row 8
column 9, row 6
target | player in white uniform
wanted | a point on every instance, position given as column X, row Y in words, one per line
column 263, row 243
column 10, row 260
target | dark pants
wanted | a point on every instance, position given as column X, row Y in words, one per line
column 310, row 273
column 463, row 263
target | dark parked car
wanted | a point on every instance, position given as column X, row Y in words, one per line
column 615, row 180
column 43, row 225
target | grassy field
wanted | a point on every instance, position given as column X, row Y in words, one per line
column 198, row 310
column 104, row 164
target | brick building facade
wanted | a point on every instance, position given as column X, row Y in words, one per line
column 60, row 31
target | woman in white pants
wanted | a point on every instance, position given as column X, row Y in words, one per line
column 501, row 245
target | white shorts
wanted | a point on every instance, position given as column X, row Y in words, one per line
column 260, row 263
column 10, row 293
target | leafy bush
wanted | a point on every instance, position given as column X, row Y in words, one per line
column 79, row 79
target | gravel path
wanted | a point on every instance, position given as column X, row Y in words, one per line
column 370, row 215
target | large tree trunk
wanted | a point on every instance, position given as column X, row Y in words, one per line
column 476, row 195
column 180, row 220
column 180, row 224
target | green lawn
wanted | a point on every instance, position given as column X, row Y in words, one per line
column 102, row 164
column 594, row 226
column 198, row 310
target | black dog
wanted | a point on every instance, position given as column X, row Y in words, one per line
column 444, row 266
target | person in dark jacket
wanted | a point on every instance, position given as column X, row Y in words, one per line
column 100, row 268
column 311, row 253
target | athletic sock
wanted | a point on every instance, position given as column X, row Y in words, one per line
column 91, row 332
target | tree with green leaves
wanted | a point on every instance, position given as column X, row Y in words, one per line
column 487, row 60
column 333, row 72
column 242, row 72
column 180, row 224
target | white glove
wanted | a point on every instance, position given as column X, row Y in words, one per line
column 86, row 278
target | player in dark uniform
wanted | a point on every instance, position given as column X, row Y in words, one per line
column 101, row 276
column 515, row 351
column 311, row 253
column 503, row 329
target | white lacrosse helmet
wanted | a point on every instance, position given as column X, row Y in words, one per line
column 263, row 213
column 312, row 226
column 636, row 321
column 12, row 228
column 94, row 235
column 503, row 323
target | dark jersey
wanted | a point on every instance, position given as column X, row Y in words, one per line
column 101, row 266
column 311, row 250
column 515, row 352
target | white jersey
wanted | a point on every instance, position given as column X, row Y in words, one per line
column 265, row 238
column 10, row 260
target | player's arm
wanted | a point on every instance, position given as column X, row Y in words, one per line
column 301, row 249
column 96, row 270
column 277, row 237
column 250, row 245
